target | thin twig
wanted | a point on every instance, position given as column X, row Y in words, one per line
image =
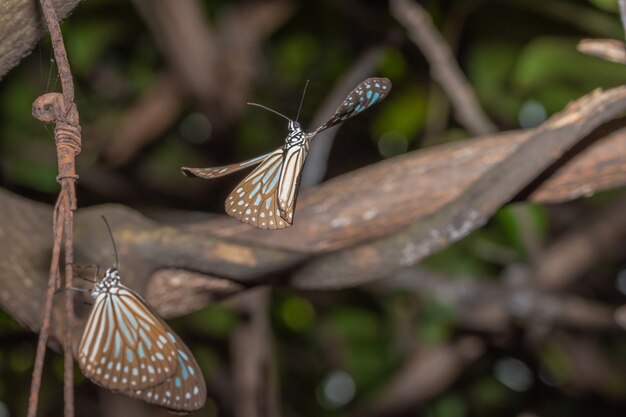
column 60, row 109
column 45, row 322
column 622, row 12
column 60, row 56
column 251, row 353
column 443, row 66
column 608, row 49
column 68, row 360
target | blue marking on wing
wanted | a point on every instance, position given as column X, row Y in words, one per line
column 123, row 314
column 178, row 382
column 132, row 320
column 118, row 344
column 140, row 351
column 256, row 190
column 376, row 95
column 274, row 181
column 145, row 338
column 369, row 94
column 183, row 368
column 129, row 355
column 269, row 173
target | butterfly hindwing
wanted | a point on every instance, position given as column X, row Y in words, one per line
column 184, row 391
column 289, row 181
column 255, row 199
column 124, row 345
column 364, row 96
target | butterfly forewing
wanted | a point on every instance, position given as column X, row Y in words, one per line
column 185, row 391
column 124, row 345
column 255, row 199
column 216, row 172
column 364, row 96
column 289, row 181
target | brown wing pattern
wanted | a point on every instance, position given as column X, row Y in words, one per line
column 255, row 199
column 124, row 344
column 185, row 391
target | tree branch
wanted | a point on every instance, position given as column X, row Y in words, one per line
column 474, row 205
column 385, row 203
column 21, row 28
column 443, row 66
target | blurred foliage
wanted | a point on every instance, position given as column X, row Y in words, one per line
column 519, row 56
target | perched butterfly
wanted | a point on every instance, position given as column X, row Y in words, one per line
column 126, row 347
column 266, row 198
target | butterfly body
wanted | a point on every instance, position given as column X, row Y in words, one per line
column 127, row 348
column 266, row 198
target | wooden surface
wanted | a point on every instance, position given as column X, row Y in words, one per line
column 21, row 27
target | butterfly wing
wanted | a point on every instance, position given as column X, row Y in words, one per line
column 124, row 345
column 364, row 96
column 255, row 199
column 185, row 391
column 289, row 182
column 221, row 171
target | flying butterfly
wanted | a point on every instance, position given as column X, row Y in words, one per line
column 126, row 347
column 266, row 198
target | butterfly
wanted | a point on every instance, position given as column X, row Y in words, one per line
column 266, row 198
column 126, row 347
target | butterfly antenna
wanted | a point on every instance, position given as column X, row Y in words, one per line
column 302, row 99
column 112, row 241
column 267, row 108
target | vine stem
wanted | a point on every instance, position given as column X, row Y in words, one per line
column 61, row 110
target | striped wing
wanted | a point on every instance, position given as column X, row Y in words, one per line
column 124, row 345
column 185, row 391
column 217, row 172
column 364, row 96
column 255, row 199
column 289, row 182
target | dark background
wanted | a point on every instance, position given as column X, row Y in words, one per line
column 336, row 351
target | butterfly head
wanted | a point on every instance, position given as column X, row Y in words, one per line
column 109, row 284
column 295, row 136
column 294, row 127
column 112, row 273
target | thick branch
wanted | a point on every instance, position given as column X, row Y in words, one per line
column 493, row 307
column 428, row 372
column 394, row 197
column 474, row 205
column 21, row 28
column 572, row 255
